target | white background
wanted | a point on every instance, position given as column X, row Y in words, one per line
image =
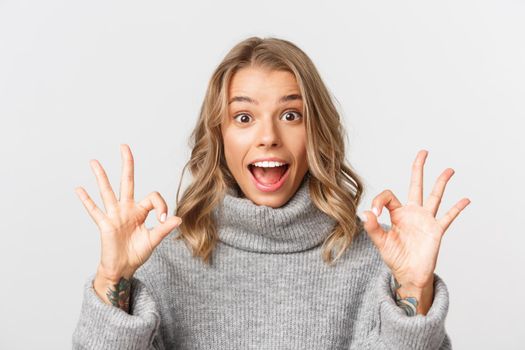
column 79, row 78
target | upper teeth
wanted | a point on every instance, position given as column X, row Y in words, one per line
column 266, row 164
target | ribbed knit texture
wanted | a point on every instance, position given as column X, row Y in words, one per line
column 267, row 288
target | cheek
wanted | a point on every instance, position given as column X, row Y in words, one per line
column 235, row 146
column 297, row 144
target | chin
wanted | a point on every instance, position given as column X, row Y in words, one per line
column 272, row 200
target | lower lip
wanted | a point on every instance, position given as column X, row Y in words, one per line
column 273, row 187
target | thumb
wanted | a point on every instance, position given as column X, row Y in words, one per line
column 372, row 227
column 162, row 230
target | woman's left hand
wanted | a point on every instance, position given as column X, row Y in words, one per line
column 411, row 246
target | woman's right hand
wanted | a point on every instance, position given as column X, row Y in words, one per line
column 126, row 242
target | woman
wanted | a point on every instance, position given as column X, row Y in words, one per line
column 251, row 260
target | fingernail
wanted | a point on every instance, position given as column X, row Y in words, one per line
column 375, row 211
column 362, row 216
column 163, row 217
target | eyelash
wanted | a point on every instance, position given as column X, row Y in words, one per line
column 297, row 113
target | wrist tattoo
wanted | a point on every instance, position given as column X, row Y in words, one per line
column 119, row 296
column 409, row 304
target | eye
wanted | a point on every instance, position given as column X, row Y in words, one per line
column 242, row 120
column 286, row 114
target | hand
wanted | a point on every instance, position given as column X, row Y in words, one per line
column 126, row 242
column 411, row 246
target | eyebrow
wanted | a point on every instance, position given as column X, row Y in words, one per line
column 283, row 99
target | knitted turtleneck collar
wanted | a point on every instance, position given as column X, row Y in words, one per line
column 298, row 225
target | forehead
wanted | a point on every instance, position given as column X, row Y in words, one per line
column 259, row 82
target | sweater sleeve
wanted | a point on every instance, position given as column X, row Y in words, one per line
column 396, row 330
column 103, row 326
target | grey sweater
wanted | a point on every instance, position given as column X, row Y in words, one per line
column 267, row 288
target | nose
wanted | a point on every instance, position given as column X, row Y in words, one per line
column 268, row 135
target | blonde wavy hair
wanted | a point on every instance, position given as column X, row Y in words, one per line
column 334, row 187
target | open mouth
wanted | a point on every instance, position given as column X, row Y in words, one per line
column 268, row 175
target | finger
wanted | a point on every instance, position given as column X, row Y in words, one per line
column 434, row 199
column 155, row 200
column 373, row 228
column 127, row 182
column 106, row 192
column 162, row 230
column 385, row 199
column 96, row 214
column 415, row 192
column 447, row 219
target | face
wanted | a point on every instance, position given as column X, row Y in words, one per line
column 265, row 122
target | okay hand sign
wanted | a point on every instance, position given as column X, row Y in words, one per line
column 126, row 242
column 411, row 246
